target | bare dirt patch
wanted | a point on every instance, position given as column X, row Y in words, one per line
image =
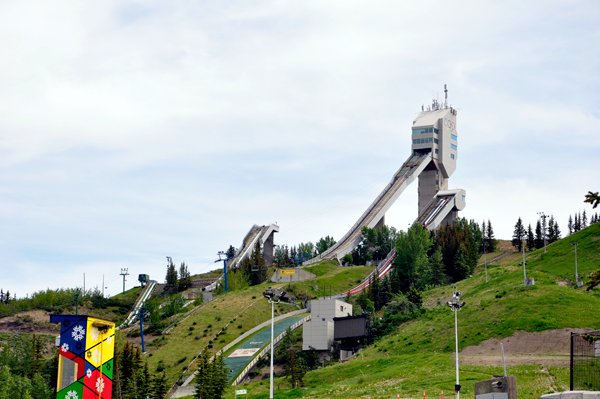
column 32, row 322
column 551, row 348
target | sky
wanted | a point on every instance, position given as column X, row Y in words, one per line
column 132, row 131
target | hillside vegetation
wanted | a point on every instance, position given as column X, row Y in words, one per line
column 418, row 355
column 215, row 324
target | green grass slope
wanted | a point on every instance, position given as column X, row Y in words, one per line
column 419, row 355
column 239, row 310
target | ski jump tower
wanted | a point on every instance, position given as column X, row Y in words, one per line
column 434, row 132
column 433, row 160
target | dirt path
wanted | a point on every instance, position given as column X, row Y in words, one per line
column 549, row 348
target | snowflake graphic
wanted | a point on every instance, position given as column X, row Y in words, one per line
column 72, row 395
column 96, row 356
column 78, row 333
column 67, row 323
column 78, row 346
column 89, row 354
column 108, row 366
column 109, row 340
column 100, row 384
column 88, row 373
column 64, row 347
column 94, row 334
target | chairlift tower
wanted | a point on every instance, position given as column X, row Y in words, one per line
column 223, row 256
column 124, row 272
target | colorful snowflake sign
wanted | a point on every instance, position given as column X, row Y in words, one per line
column 78, row 333
column 100, row 384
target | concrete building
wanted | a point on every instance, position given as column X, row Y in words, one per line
column 434, row 132
column 318, row 333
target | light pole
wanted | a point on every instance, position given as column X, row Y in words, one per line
column 543, row 216
column 271, row 294
column 456, row 305
column 524, row 272
column 574, row 243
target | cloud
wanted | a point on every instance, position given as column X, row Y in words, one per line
column 132, row 131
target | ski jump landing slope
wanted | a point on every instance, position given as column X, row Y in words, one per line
column 410, row 170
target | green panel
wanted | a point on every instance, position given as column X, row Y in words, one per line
column 107, row 369
column 73, row 391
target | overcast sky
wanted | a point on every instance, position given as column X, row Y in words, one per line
column 132, row 131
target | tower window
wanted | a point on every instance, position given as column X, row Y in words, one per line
column 453, row 137
column 452, row 156
column 453, row 147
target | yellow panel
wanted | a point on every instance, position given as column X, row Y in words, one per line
column 97, row 331
column 100, row 341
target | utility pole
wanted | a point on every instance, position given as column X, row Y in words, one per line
column 124, row 272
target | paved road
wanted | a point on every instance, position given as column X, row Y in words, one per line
column 237, row 360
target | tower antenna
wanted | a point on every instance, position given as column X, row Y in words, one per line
column 446, row 96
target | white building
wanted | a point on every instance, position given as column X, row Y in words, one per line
column 318, row 332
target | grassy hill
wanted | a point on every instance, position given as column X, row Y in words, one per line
column 217, row 323
column 419, row 356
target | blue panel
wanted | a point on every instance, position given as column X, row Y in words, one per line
column 72, row 334
column 453, row 147
column 453, row 137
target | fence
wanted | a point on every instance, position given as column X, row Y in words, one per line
column 585, row 361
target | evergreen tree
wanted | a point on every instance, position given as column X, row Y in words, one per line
column 557, row 233
column 375, row 290
column 414, row 296
column 551, row 232
column 530, row 239
column 438, row 276
column 577, row 224
column 159, row 386
column 584, row 220
column 461, row 266
column 491, row 240
column 171, row 276
column 185, row 279
column 570, row 225
column 518, row 235
column 40, row 389
column 212, row 377
column 386, row 294
column 539, row 236
column 294, row 369
column 253, row 267
column 37, row 357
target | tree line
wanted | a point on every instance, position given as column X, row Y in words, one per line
column 580, row 221
column 178, row 281
column 548, row 231
column 423, row 259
